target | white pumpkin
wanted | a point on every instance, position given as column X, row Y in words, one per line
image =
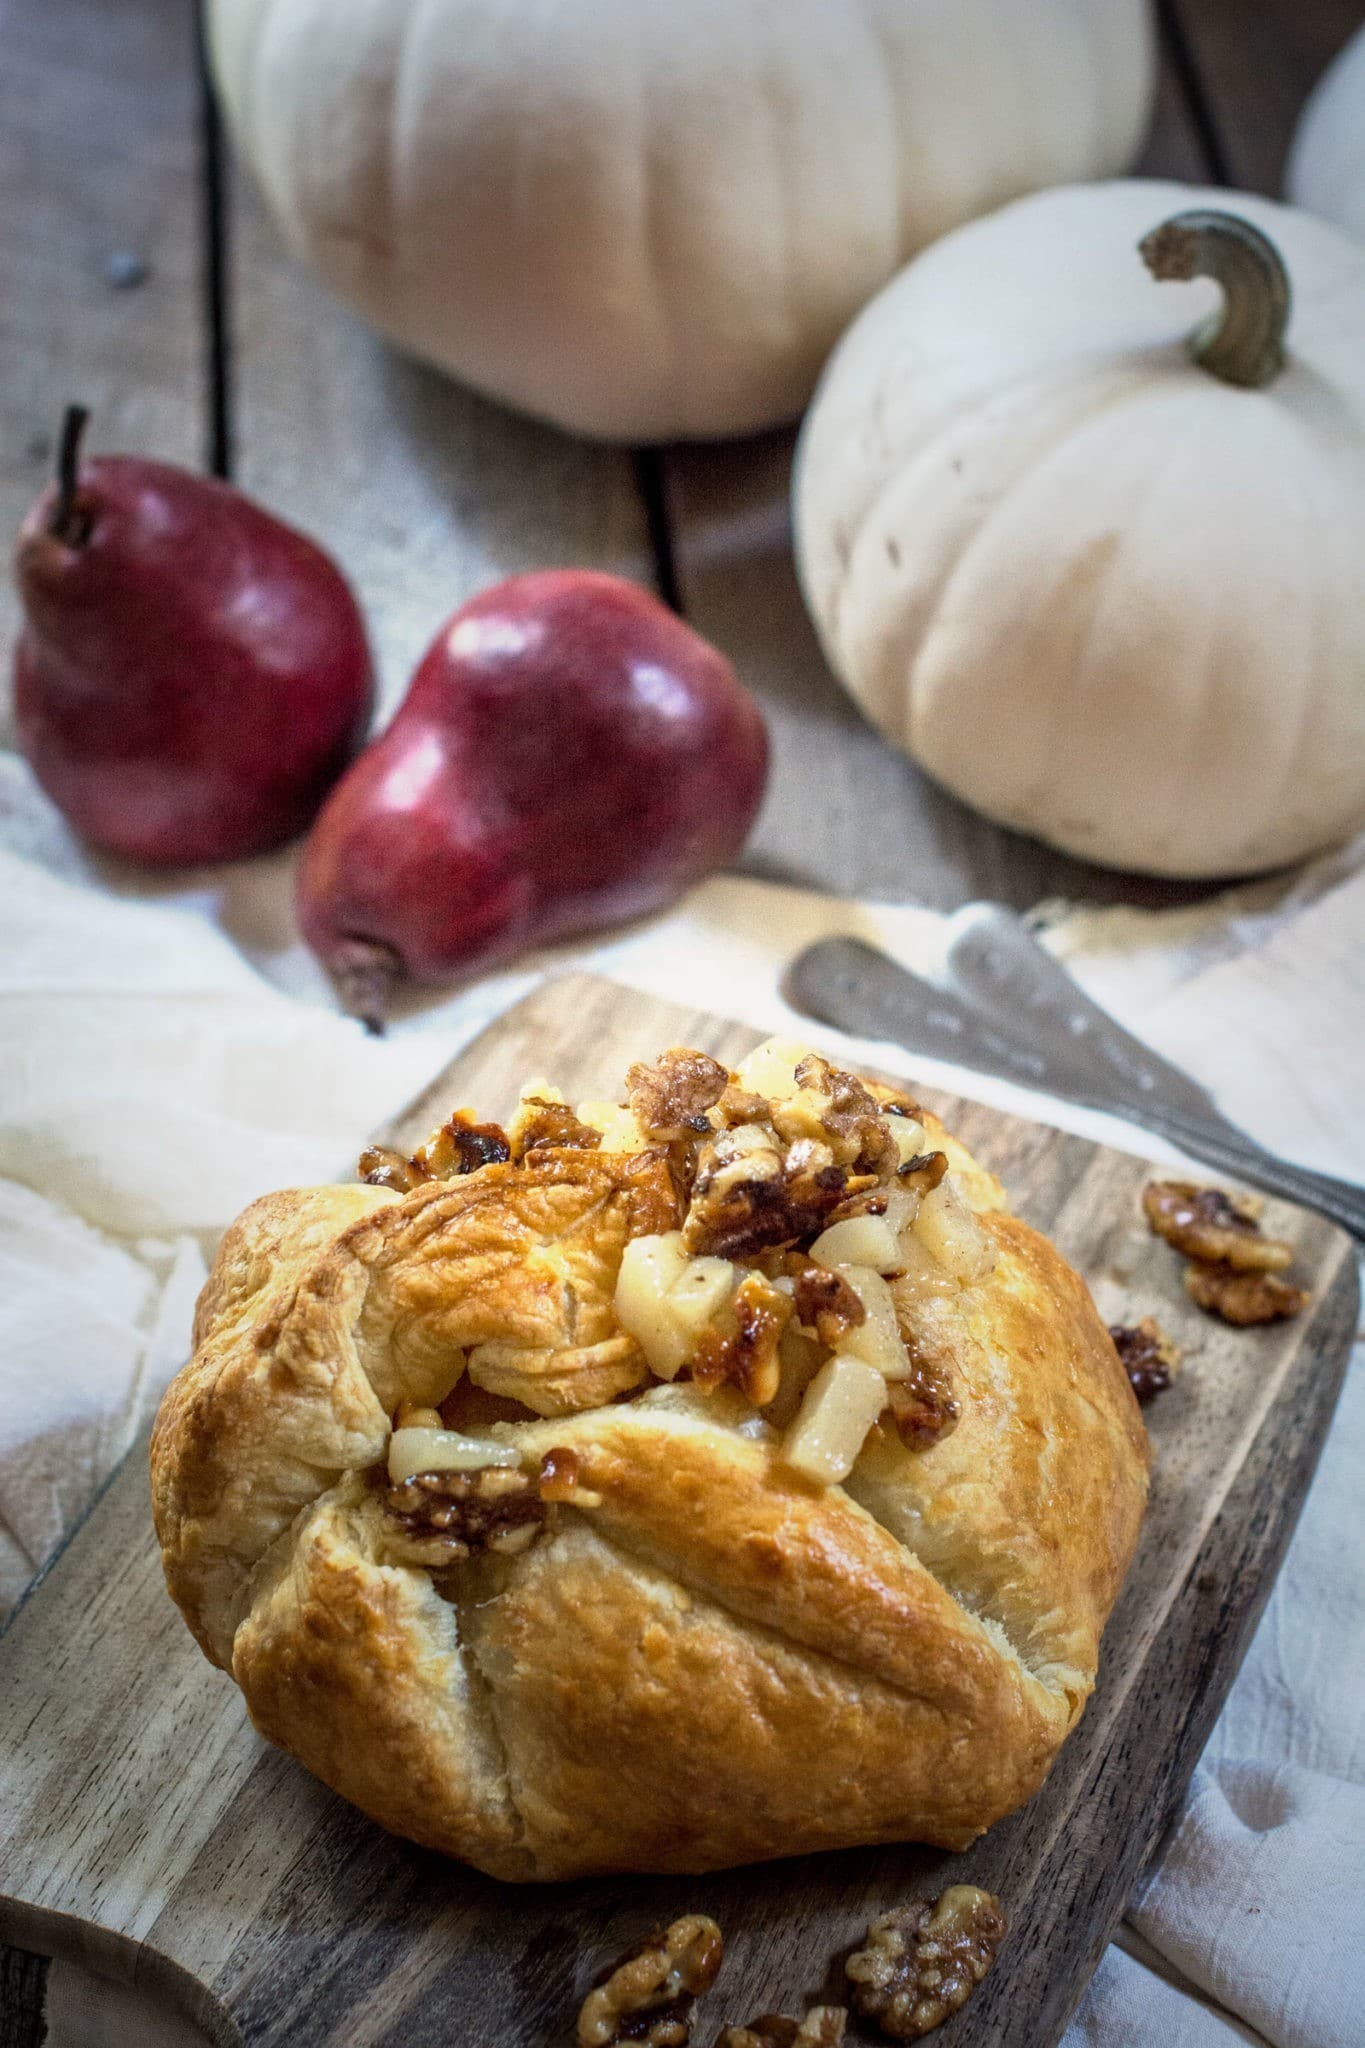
column 648, row 218
column 1096, row 590
column 1326, row 171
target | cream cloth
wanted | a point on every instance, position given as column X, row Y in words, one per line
column 158, row 1073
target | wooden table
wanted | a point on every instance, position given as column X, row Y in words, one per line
column 139, row 273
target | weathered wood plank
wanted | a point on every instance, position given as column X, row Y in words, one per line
column 423, row 491
column 23, row 1980
column 845, row 812
column 1253, row 68
column 155, row 1837
column 100, row 295
column 1174, row 147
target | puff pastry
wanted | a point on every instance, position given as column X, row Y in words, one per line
column 718, row 1475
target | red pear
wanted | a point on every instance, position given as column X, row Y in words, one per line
column 569, row 754
column 193, row 674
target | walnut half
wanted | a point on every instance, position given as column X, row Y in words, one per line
column 1208, row 1224
column 647, row 1997
column 669, row 1099
column 923, row 1961
column 1242, row 1297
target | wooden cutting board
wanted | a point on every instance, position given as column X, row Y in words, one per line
column 152, row 1835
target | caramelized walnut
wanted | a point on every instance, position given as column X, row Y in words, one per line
column 541, row 1122
column 865, row 1197
column 442, row 1518
column 823, row 2027
column 561, row 1479
column 826, row 1303
column 835, row 1108
column 1147, row 1355
column 461, row 1146
column 379, row 1166
column 1243, row 1297
column 923, row 1408
column 1210, row 1225
column 893, row 1101
column 923, row 1961
column 924, row 1172
column 647, row 1996
column 738, row 1106
column 747, row 1198
column 743, row 1350
column 669, row 1099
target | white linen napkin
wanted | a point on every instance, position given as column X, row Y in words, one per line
column 155, row 1081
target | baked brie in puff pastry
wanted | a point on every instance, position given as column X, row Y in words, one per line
column 659, row 1485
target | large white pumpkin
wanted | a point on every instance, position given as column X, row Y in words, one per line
column 648, row 218
column 1099, row 592
column 1326, row 170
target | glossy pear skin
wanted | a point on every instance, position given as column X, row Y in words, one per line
column 193, row 674
column 569, row 754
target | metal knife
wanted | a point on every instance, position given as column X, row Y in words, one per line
column 1007, row 1007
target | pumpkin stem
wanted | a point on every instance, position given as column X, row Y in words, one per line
column 1243, row 343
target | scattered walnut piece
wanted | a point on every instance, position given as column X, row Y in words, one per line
column 442, row 1518
column 1211, row 1225
column 540, row 1121
column 743, row 1351
column 823, row 2027
column 381, row 1167
column 1148, row 1356
column 669, row 1099
column 647, row 1996
column 923, row 1961
column 924, row 1172
column 1243, row 1297
column 826, row 1303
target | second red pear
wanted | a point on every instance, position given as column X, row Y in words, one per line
column 570, row 754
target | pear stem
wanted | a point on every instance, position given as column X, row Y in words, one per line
column 1243, row 343
column 365, row 973
column 66, row 523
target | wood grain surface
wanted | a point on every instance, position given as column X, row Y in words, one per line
column 423, row 490
column 1249, row 70
column 100, row 238
column 157, row 1839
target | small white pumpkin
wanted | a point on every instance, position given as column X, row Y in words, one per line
column 1094, row 583
column 645, row 218
column 1326, row 170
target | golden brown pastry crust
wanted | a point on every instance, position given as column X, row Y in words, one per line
column 709, row 1661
